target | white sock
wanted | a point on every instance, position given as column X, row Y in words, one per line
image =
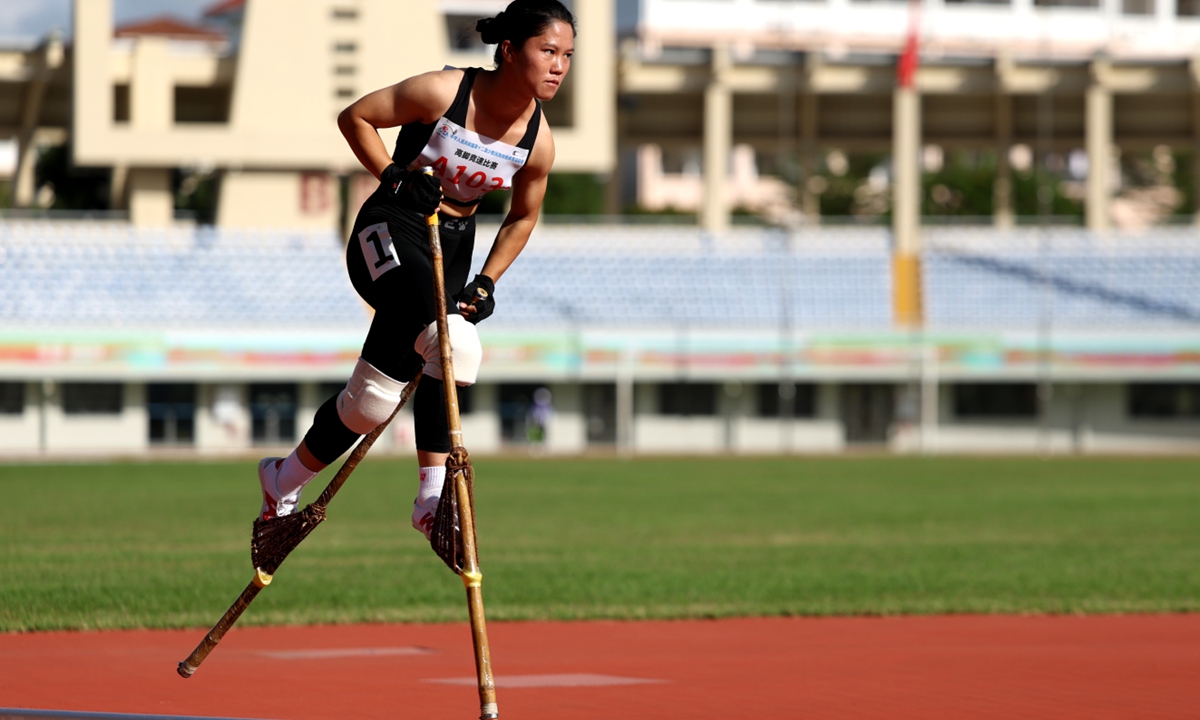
column 432, row 479
column 293, row 476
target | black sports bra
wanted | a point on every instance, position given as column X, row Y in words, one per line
column 469, row 165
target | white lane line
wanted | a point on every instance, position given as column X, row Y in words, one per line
column 344, row 653
column 562, row 680
column 25, row 714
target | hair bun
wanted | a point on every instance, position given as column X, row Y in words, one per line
column 491, row 30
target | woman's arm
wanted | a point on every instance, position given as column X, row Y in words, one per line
column 529, row 187
column 422, row 98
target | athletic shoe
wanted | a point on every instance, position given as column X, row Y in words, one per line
column 423, row 516
column 274, row 504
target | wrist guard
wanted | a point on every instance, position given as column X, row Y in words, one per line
column 480, row 294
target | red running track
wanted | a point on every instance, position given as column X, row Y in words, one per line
column 978, row 667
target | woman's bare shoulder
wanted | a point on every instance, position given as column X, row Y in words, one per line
column 433, row 92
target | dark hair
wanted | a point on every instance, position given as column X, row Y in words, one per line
column 521, row 20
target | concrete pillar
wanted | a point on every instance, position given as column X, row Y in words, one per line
column 92, row 93
column 626, row 411
column 810, row 202
column 117, row 190
column 595, row 68
column 1003, row 215
column 730, row 408
column 718, row 142
column 45, row 396
column 614, row 189
column 151, row 203
column 24, row 179
column 1098, row 138
column 930, row 399
column 151, row 94
column 906, row 206
column 51, row 57
column 567, row 430
column 1165, row 12
column 1196, row 156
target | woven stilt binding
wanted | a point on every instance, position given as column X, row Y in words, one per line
column 446, row 538
column 272, row 540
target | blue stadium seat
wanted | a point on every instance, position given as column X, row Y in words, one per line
column 87, row 276
column 1066, row 278
column 100, row 275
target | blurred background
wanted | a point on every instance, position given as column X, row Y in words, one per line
column 774, row 226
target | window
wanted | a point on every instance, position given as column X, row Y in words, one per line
column 996, row 400
column 92, row 398
column 600, row 413
column 202, row 104
column 273, row 413
column 172, row 411
column 868, row 411
column 687, row 399
column 12, row 398
column 121, row 103
column 523, row 410
column 1164, row 400
column 784, row 400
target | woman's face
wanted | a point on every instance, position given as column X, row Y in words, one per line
column 543, row 61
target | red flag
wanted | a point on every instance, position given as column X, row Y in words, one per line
column 910, row 59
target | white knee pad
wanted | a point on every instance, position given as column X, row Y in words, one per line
column 368, row 399
column 465, row 350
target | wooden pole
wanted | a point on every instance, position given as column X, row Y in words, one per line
column 471, row 575
column 262, row 578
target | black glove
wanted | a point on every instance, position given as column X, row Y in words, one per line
column 480, row 293
column 412, row 189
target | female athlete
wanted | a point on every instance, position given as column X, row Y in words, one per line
column 480, row 130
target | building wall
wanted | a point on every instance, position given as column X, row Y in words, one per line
column 1106, row 427
column 21, row 433
column 1082, row 418
column 274, row 199
column 1088, row 418
column 295, row 66
column 125, row 432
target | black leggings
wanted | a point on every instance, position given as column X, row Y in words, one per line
column 391, row 268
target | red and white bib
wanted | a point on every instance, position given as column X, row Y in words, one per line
column 470, row 165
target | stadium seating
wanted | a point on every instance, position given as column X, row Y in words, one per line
column 1064, row 278
column 111, row 275
column 673, row 276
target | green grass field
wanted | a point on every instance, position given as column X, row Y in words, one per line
column 167, row 545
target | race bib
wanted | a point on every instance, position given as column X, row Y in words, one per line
column 377, row 249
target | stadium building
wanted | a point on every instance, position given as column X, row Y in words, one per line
column 139, row 331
